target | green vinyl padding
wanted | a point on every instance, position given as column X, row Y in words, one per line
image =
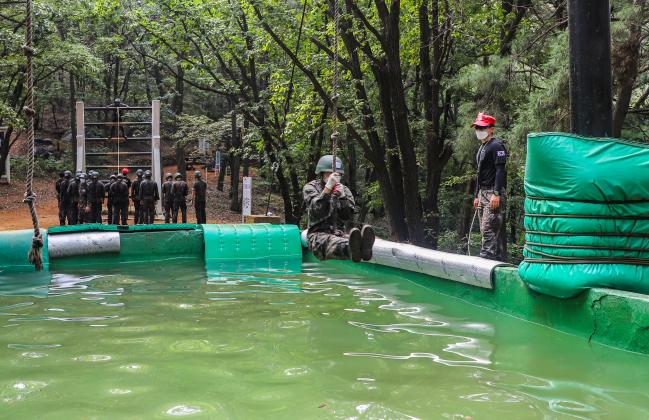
column 586, row 214
column 14, row 248
column 252, row 247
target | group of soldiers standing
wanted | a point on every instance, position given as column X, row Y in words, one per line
column 81, row 198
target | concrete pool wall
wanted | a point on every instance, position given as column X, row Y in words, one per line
column 611, row 317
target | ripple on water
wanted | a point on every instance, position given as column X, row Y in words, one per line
column 184, row 410
column 120, row 391
column 19, row 390
column 33, row 354
column 92, row 358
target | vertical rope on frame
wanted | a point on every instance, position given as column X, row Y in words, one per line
column 35, row 255
column 336, row 81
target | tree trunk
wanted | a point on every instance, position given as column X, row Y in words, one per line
column 73, row 117
column 234, row 161
column 626, row 61
column 177, row 105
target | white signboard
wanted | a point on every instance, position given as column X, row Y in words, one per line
column 247, row 197
column 217, row 161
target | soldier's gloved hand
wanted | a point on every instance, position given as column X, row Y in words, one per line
column 332, row 181
column 339, row 191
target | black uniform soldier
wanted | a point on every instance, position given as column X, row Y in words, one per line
column 199, row 196
column 490, row 198
column 119, row 193
column 95, row 193
column 73, row 192
column 330, row 205
column 179, row 192
column 83, row 216
column 126, row 179
column 167, row 198
column 64, row 200
column 148, row 196
column 135, row 191
column 57, row 186
column 109, row 205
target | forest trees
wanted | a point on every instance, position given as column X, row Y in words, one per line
column 414, row 73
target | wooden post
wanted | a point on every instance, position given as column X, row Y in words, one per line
column 81, row 137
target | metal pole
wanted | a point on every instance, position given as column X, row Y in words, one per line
column 81, row 138
column 591, row 108
column 155, row 149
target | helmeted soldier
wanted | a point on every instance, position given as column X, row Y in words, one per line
column 135, row 192
column 73, row 192
column 109, row 204
column 179, row 192
column 199, row 197
column 330, row 206
column 82, row 216
column 148, row 196
column 64, row 199
column 490, row 197
column 119, row 193
column 57, row 186
column 95, row 193
column 167, row 198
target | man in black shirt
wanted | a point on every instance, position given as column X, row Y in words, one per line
column 73, row 192
column 179, row 191
column 167, row 198
column 64, row 198
column 490, row 197
column 109, row 194
column 135, row 192
column 119, row 194
column 148, row 195
column 95, row 193
column 199, row 195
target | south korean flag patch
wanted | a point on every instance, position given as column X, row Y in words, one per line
column 500, row 153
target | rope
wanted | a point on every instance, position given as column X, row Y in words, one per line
column 468, row 238
column 336, row 79
column 35, row 255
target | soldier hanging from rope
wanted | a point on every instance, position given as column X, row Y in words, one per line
column 330, row 206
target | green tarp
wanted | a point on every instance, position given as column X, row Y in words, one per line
column 586, row 214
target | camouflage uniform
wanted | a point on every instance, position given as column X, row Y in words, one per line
column 328, row 215
column 492, row 226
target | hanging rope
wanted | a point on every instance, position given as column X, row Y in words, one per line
column 336, row 81
column 36, row 252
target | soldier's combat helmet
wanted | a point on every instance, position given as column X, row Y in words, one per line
column 178, row 175
column 147, row 174
column 325, row 164
column 168, row 176
column 197, row 174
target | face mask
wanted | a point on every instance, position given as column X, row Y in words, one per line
column 481, row 134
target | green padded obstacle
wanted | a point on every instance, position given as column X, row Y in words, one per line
column 14, row 247
column 586, row 214
column 252, row 247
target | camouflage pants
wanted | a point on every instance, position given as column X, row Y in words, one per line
column 329, row 246
column 492, row 227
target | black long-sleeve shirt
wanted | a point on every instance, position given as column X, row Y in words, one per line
column 491, row 160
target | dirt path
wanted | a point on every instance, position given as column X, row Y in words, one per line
column 14, row 214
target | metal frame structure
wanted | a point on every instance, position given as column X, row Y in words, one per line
column 120, row 109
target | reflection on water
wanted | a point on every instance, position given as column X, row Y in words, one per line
column 168, row 340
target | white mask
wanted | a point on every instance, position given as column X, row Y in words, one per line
column 481, row 134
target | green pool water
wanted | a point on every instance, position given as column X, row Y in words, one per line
column 166, row 339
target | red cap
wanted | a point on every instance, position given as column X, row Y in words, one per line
column 484, row 120
column 125, row 171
